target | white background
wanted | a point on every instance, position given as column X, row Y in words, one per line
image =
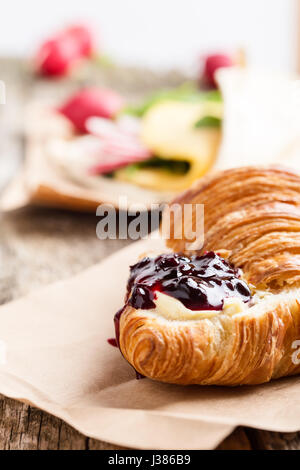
column 161, row 33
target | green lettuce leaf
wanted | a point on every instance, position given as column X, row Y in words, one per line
column 208, row 121
column 186, row 92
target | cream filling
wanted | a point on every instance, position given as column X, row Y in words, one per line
column 172, row 309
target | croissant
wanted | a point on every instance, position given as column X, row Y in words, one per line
column 226, row 311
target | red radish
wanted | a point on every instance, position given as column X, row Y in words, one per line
column 91, row 102
column 84, row 38
column 57, row 56
column 212, row 64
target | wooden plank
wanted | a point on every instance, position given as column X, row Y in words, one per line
column 266, row 440
column 238, row 440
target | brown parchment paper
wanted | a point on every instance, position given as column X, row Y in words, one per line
column 58, row 359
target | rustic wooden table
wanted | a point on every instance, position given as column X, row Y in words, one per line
column 39, row 246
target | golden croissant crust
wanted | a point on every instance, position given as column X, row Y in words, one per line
column 249, row 348
column 254, row 215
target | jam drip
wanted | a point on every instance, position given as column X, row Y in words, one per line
column 199, row 282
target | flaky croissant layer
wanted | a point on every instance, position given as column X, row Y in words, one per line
column 254, row 215
column 248, row 348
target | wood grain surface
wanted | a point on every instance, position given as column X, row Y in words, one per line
column 39, row 246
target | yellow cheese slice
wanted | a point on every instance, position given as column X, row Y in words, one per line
column 168, row 130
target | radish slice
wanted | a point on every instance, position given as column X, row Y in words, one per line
column 121, row 144
column 111, row 149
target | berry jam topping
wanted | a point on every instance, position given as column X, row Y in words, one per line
column 199, row 282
